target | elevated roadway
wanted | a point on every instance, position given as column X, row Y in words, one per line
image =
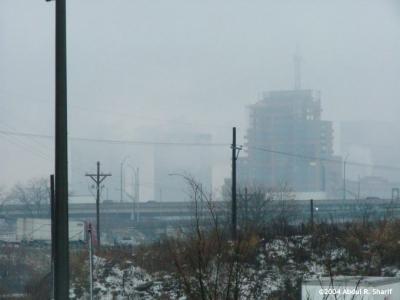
column 293, row 209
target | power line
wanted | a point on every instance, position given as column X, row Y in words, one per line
column 154, row 143
column 115, row 141
column 40, row 147
column 109, row 111
column 33, row 151
column 24, row 146
column 310, row 157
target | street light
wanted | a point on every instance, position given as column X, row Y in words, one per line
column 185, row 177
column 135, row 192
column 188, row 179
column 197, row 187
column 122, row 177
column 181, row 175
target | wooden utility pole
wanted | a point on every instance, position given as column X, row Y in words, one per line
column 246, row 207
column 235, row 153
column 312, row 214
column 98, row 178
column 61, row 258
column 53, row 237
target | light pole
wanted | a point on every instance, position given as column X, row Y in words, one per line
column 323, row 175
column 181, row 175
column 135, row 191
column 185, row 177
column 188, row 179
column 122, row 177
column 90, row 243
column 344, row 176
column 198, row 187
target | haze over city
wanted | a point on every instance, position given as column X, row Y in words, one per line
column 138, row 64
column 199, row 150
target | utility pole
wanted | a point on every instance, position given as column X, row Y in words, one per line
column 53, row 237
column 90, row 243
column 344, row 180
column 98, row 179
column 235, row 154
column 234, row 225
column 246, row 206
column 312, row 214
column 61, row 257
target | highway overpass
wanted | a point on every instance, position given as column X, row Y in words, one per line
column 293, row 209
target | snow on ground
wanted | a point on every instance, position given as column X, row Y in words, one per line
column 112, row 281
column 277, row 263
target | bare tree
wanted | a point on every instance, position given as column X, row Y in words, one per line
column 259, row 206
column 253, row 209
column 34, row 196
column 3, row 198
column 282, row 199
column 207, row 263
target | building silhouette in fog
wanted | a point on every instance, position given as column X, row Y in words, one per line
column 171, row 163
column 287, row 142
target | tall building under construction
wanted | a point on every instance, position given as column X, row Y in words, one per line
column 288, row 143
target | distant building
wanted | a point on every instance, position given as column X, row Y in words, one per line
column 372, row 187
column 374, row 146
column 117, row 159
column 288, row 143
column 155, row 151
column 171, row 163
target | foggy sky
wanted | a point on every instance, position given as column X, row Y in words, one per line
column 135, row 64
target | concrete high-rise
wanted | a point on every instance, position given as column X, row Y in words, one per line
column 288, row 143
